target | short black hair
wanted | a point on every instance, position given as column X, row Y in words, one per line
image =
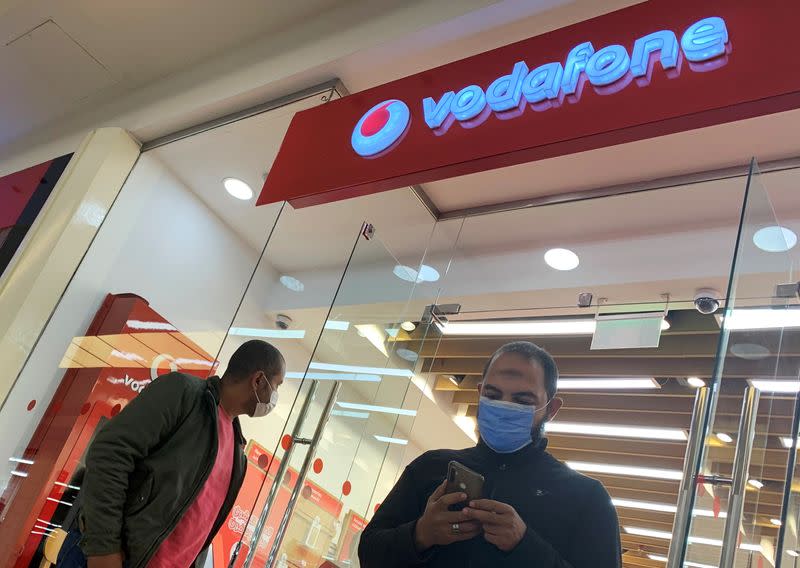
column 533, row 353
column 253, row 356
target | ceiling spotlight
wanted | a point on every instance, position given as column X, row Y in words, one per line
column 424, row 274
column 723, row 437
column 407, row 354
column 776, row 522
column 775, row 239
column 561, row 259
column 238, row 189
column 755, row 483
column 292, row 283
column 696, row 382
column 793, row 553
column 408, row 326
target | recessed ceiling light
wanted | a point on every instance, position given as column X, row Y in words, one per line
column 776, row 522
column 750, row 351
column 576, row 326
column 601, row 383
column 775, row 239
column 267, row 333
column 781, row 387
column 631, row 471
column 613, row 431
column 561, row 259
column 292, row 283
column 337, row 325
column 786, row 441
column 639, row 531
column 407, row 354
column 388, row 440
column 793, row 553
column 408, row 326
column 763, row 318
column 375, row 408
column 755, row 483
column 385, row 371
column 696, row 382
column 723, row 437
column 238, row 189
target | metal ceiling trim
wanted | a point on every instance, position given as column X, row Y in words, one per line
column 334, row 85
column 622, row 189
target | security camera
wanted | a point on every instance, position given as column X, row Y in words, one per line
column 706, row 301
column 283, row 321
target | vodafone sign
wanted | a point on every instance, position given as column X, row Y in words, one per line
column 704, row 45
column 652, row 69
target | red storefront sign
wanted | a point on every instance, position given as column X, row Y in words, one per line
column 637, row 73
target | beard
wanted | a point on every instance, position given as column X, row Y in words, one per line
column 537, row 433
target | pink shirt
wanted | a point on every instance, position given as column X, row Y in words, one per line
column 186, row 541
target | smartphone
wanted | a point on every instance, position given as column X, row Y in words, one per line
column 461, row 479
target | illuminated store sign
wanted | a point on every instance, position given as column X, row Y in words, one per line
column 609, row 70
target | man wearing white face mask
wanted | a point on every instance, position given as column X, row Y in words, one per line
column 535, row 511
column 162, row 475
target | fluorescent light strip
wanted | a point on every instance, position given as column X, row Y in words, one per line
column 68, row 486
column 383, row 371
column 762, row 318
column 59, row 502
column 663, row 508
column 49, row 523
column 48, row 535
column 374, row 408
column 21, row 460
column 638, row 531
column 350, row 414
column 787, row 387
column 399, row 441
column 687, row 564
column 267, row 333
column 334, row 377
column 38, row 528
column 586, row 429
column 530, row 327
column 650, row 472
column 337, row 325
column 150, row 325
column 608, row 384
column 787, row 442
column 19, row 473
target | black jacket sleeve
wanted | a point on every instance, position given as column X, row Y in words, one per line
column 112, row 457
column 388, row 540
column 596, row 542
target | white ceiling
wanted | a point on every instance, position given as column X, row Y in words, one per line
column 96, row 50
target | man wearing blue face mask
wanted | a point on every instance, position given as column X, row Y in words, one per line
column 535, row 511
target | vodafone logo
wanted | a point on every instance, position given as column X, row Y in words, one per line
column 380, row 128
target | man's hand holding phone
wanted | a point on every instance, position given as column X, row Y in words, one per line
column 502, row 525
column 440, row 526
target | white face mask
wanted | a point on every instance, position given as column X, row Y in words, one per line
column 264, row 408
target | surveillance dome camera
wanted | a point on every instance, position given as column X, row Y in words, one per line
column 283, row 321
column 706, row 301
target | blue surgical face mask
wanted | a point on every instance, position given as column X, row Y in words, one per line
column 505, row 427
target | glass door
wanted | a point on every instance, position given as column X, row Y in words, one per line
column 743, row 503
column 350, row 430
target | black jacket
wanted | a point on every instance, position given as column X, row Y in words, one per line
column 570, row 518
column 147, row 465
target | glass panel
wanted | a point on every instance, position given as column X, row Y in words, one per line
column 372, row 343
column 627, row 396
column 158, row 290
column 755, row 350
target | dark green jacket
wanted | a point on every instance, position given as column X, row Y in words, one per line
column 147, row 465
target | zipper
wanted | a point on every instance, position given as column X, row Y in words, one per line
column 174, row 522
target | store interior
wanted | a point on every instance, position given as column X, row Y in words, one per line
column 345, row 291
